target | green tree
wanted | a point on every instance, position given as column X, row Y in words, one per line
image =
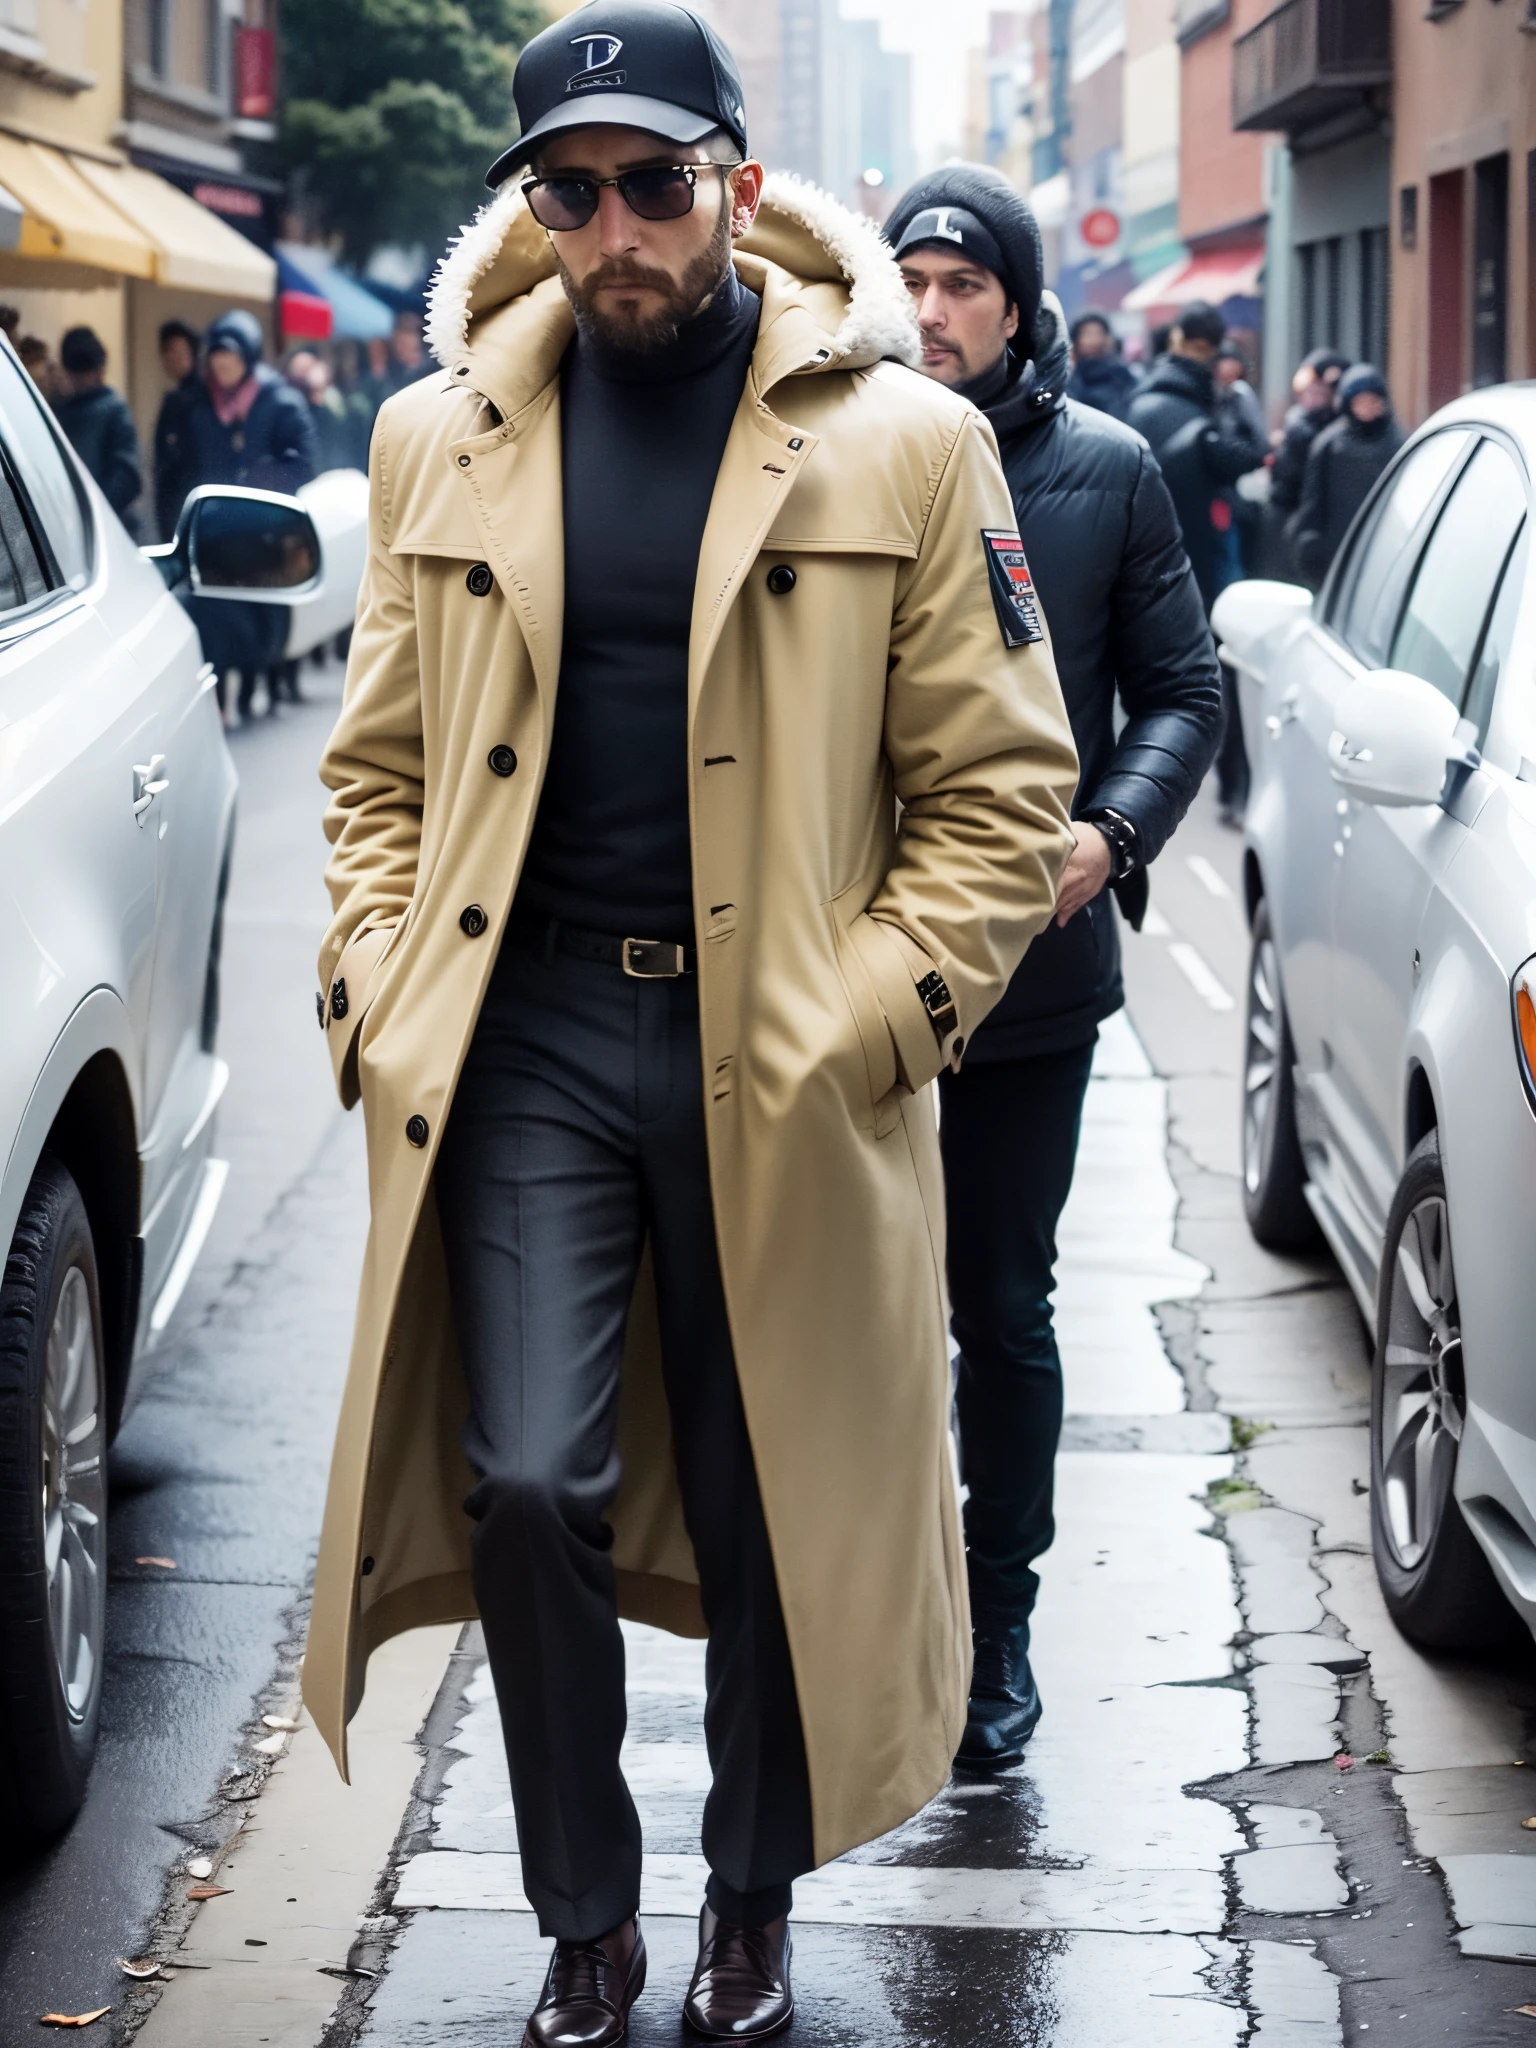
column 393, row 110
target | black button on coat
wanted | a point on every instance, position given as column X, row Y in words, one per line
column 1125, row 616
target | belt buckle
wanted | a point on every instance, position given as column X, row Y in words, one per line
column 652, row 959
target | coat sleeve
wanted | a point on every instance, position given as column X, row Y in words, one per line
column 1165, row 672
column 121, row 478
column 984, row 766
column 1309, row 523
column 374, row 766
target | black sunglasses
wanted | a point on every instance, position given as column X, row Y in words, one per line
column 569, row 200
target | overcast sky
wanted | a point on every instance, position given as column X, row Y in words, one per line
column 938, row 37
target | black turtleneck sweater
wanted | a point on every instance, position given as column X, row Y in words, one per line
column 641, row 442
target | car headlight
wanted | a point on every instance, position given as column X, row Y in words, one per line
column 1524, row 993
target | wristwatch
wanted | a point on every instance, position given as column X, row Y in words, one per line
column 939, row 1004
column 1120, row 834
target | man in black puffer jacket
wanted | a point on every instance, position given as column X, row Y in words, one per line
column 1125, row 616
column 1342, row 467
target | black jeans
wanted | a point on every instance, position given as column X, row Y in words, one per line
column 578, row 1129
column 1009, row 1132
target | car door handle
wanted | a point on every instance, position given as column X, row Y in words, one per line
column 149, row 781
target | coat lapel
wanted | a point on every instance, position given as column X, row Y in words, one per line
column 504, row 472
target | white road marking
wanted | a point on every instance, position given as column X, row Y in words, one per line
column 1199, row 976
column 1154, row 925
column 1203, row 872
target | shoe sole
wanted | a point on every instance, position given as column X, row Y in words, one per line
column 762, row 2034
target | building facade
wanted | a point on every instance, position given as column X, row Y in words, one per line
column 90, row 235
column 1463, row 199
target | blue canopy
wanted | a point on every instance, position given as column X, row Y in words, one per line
column 355, row 313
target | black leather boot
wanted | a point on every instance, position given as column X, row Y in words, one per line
column 1005, row 1704
column 740, row 1989
column 588, row 1992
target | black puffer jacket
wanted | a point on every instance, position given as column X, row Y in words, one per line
column 1202, row 447
column 1346, row 459
column 1124, row 615
column 1107, row 383
column 1290, row 465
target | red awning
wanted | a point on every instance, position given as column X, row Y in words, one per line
column 304, row 316
column 1222, row 275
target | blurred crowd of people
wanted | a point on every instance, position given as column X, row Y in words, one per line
column 1250, row 502
column 228, row 416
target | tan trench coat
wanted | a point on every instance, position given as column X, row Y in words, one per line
column 882, row 675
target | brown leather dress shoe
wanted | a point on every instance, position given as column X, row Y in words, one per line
column 740, row 1989
column 587, row 1995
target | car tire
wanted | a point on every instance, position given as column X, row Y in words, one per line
column 53, row 1510
column 1274, row 1175
column 1438, row 1586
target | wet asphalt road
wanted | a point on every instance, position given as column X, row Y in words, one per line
column 222, row 1460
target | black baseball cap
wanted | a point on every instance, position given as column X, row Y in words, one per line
column 646, row 64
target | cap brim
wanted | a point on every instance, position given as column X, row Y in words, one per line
column 605, row 110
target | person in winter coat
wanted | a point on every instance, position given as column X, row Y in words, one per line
column 1101, row 377
column 1202, row 444
column 245, row 424
column 1315, row 386
column 98, row 424
column 1342, row 468
column 179, row 349
column 702, row 775
column 1102, row 545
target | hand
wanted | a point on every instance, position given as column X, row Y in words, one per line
column 1086, row 871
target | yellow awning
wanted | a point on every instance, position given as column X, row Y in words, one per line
column 65, row 217
column 193, row 248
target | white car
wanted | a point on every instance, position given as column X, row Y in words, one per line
column 1390, row 1072
column 117, row 800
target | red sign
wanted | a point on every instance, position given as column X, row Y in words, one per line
column 1100, row 228
column 227, row 199
column 304, row 317
column 255, row 73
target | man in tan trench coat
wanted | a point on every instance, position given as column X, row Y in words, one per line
column 701, row 778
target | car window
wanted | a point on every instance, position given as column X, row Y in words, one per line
column 23, row 578
column 45, row 474
column 1453, row 585
column 1494, row 653
column 1383, row 558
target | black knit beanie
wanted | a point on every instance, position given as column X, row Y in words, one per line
column 987, row 194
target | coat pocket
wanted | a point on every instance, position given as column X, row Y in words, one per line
column 875, row 1039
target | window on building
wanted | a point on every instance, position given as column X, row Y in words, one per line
column 160, row 37
column 1375, row 302
column 1408, row 217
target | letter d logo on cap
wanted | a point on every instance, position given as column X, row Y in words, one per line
column 602, row 53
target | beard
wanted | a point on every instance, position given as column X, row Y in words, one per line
column 622, row 325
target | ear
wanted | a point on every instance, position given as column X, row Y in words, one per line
column 745, row 195
column 1011, row 320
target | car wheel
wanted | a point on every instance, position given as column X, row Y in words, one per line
column 1274, row 1177
column 53, row 1509
column 1438, row 1586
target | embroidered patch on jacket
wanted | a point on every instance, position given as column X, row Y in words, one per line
column 1013, row 588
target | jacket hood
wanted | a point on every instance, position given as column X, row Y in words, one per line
column 985, row 192
column 240, row 331
column 1183, row 376
column 1039, row 391
column 850, row 283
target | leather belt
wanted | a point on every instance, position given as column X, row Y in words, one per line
column 641, row 959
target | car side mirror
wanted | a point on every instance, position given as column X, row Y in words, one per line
column 258, row 546
column 1246, row 614
column 1395, row 739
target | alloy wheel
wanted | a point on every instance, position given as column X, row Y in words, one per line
column 1260, row 1061
column 1423, row 1395
column 74, row 1494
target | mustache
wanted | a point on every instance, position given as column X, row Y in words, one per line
column 617, row 272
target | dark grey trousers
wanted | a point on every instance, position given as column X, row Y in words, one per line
column 577, row 1128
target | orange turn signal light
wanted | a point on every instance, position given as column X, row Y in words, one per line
column 1525, row 1023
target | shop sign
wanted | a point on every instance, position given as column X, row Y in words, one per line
column 255, row 73
column 1100, row 227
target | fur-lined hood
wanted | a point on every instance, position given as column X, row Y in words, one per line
column 849, row 281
